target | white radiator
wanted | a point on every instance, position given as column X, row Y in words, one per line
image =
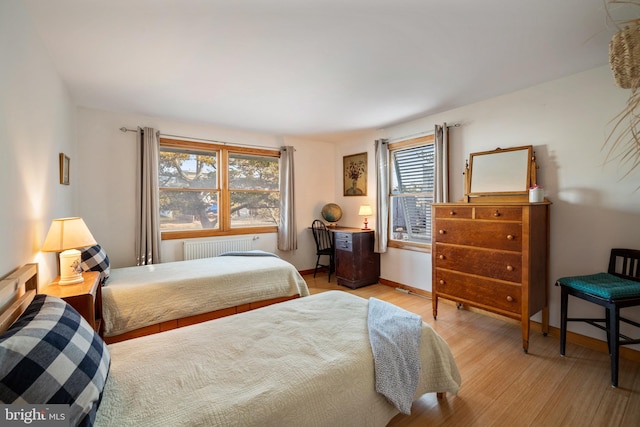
column 211, row 248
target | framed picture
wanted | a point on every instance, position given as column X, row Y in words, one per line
column 355, row 174
column 64, row 169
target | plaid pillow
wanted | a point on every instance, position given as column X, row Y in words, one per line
column 94, row 258
column 51, row 355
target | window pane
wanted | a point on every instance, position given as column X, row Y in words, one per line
column 253, row 172
column 411, row 218
column 254, row 209
column 188, row 210
column 187, row 170
column 413, row 170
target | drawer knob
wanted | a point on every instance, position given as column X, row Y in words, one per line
column 509, row 268
column 496, row 213
column 441, row 256
column 509, row 298
column 441, row 281
column 509, row 236
column 452, row 213
column 441, row 231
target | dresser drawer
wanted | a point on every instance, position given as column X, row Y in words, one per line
column 494, row 235
column 484, row 292
column 499, row 213
column 462, row 212
column 498, row 265
column 343, row 241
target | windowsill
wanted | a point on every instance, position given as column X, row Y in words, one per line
column 194, row 234
column 409, row 246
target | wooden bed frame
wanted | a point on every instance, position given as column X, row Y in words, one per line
column 17, row 290
column 191, row 320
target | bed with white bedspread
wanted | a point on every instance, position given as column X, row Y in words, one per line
column 306, row 362
column 138, row 299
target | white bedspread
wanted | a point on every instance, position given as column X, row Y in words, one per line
column 305, row 362
column 135, row 297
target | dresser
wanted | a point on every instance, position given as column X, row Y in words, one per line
column 356, row 263
column 493, row 256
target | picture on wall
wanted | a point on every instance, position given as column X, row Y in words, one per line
column 64, row 169
column 355, row 174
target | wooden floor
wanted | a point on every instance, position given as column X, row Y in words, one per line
column 503, row 386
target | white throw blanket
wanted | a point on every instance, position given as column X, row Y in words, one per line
column 395, row 335
column 135, row 297
column 305, row 362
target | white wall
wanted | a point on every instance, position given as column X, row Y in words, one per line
column 107, row 177
column 567, row 121
column 36, row 123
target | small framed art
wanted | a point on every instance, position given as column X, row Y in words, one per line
column 64, row 169
column 355, row 174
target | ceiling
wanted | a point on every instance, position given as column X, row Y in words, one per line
column 302, row 67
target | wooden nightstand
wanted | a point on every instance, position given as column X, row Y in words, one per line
column 85, row 297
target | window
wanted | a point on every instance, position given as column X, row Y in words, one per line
column 412, row 190
column 210, row 189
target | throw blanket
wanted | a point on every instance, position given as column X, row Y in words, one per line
column 255, row 252
column 395, row 335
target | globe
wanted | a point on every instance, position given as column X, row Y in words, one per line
column 331, row 212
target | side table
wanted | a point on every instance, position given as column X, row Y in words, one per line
column 85, row 297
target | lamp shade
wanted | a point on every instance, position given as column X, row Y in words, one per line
column 365, row 210
column 67, row 233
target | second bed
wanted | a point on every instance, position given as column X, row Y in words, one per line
column 143, row 300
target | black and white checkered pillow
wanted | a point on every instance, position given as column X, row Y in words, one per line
column 52, row 355
column 94, row 258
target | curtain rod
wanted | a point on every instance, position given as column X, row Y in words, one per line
column 416, row 135
column 125, row 130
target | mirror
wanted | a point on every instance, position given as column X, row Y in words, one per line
column 509, row 171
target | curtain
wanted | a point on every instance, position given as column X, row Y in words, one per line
column 382, row 195
column 441, row 190
column 147, row 239
column 287, row 232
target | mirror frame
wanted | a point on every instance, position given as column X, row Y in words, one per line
column 484, row 179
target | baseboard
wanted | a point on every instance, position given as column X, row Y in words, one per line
column 572, row 337
column 411, row 289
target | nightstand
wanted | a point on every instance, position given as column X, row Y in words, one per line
column 85, row 297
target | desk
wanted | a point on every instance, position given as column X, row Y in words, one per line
column 356, row 263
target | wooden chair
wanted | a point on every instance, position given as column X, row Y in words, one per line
column 324, row 246
column 616, row 289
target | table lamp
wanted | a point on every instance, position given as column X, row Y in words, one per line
column 67, row 235
column 365, row 211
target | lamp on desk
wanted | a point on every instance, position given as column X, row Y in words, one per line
column 67, row 235
column 365, row 211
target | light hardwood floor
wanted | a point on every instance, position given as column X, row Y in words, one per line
column 503, row 386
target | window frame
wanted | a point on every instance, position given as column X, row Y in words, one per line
column 224, row 196
column 401, row 145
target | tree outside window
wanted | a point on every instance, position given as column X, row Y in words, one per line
column 208, row 189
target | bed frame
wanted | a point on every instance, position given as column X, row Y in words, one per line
column 191, row 320
column 17, row 290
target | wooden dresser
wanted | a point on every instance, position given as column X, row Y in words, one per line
column 357, row 264
column 493, row 256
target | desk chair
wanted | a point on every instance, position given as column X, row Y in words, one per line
column 616, row 289
column 324, row 246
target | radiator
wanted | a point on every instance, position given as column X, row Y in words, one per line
column 211, row 248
